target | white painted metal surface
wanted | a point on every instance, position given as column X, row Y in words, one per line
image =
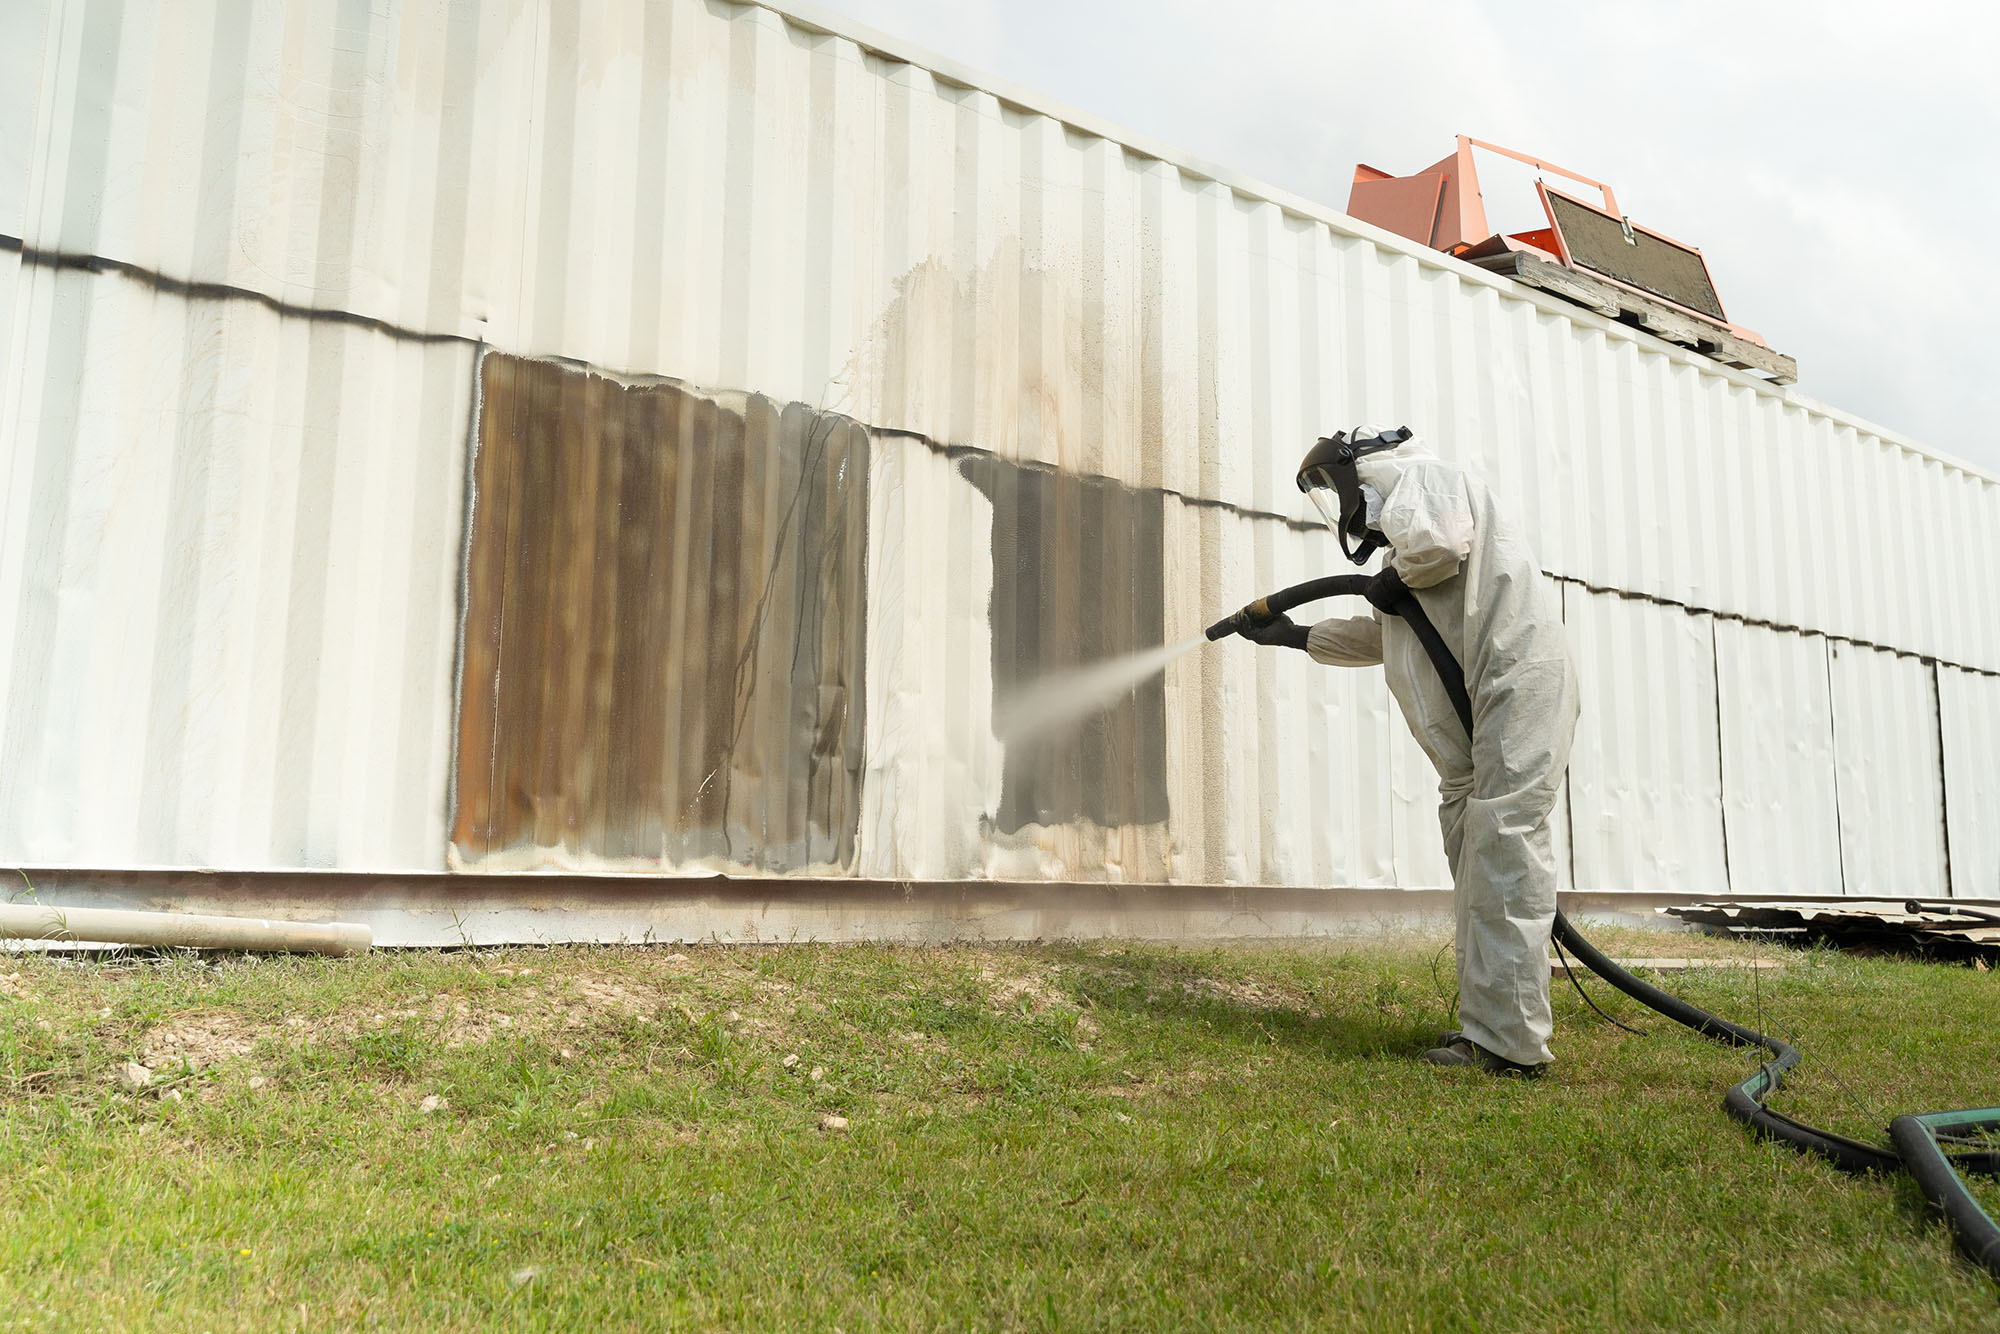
column 1969, row 714
column 228, row 550
column 22, row 39
column 229, row 533
column 1780, row 810
column 1885, row 712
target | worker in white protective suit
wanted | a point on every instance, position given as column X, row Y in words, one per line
column 1481, row 586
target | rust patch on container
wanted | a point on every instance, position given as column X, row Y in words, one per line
column 1077, row 579
column 664, row 644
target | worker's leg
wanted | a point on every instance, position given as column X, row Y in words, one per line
column 1506, row 904
column 1505, row 871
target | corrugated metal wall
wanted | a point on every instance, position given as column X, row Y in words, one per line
column 255, row 252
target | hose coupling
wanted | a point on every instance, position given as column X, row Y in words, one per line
column 1248, row 617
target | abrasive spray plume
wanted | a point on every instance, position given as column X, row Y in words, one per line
column 1065, row 698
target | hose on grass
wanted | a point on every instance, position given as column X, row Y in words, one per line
column 1916, row 1139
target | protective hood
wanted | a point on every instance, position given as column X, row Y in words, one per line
column 1330, row 479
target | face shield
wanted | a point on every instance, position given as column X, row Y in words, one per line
column 1329, row 480
column 1327, row 498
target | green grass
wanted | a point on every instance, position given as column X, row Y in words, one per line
column 1073, row 1136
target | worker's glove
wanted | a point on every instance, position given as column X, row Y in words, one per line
column 1281, row 631
column 1387, row 590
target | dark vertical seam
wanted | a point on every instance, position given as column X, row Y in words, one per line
column 1833, row 730
column 444, row 301
column 1944, row 787
column 854, row 644
column 1721, row 768
column 1569, row 782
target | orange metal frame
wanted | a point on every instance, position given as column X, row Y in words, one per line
column 1440, row 206
column 1465, row 145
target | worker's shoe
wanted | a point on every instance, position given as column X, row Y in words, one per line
column 1462, row 1050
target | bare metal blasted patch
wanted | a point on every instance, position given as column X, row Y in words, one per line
column 664, row 628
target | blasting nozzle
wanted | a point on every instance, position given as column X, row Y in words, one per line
column 1248, row 617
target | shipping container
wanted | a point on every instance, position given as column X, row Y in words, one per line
column 505, row 461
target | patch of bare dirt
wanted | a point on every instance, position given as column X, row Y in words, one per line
column 1007, row 995
column 596, row 997
column 1006, row 990
column 535, row 1003
column 1250, row 995
column 1178, row 1084
column 199, row 1040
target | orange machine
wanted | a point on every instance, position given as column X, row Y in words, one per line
column 1627, row 271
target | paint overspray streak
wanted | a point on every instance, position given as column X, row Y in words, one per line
column 1063, row 699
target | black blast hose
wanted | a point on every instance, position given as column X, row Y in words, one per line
column 1915, row 1137
column 1269, row 608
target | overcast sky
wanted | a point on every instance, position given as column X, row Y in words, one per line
column 1836, row 162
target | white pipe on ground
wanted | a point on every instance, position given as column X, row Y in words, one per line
column 116, row 926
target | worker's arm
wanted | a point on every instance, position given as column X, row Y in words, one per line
column 1354, row 641
column 1428, row 523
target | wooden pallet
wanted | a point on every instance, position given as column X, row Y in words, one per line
column 1629, row 307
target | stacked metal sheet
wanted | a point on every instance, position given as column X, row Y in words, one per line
column 1949, row 929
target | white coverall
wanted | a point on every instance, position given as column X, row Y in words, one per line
column 1483, row 589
